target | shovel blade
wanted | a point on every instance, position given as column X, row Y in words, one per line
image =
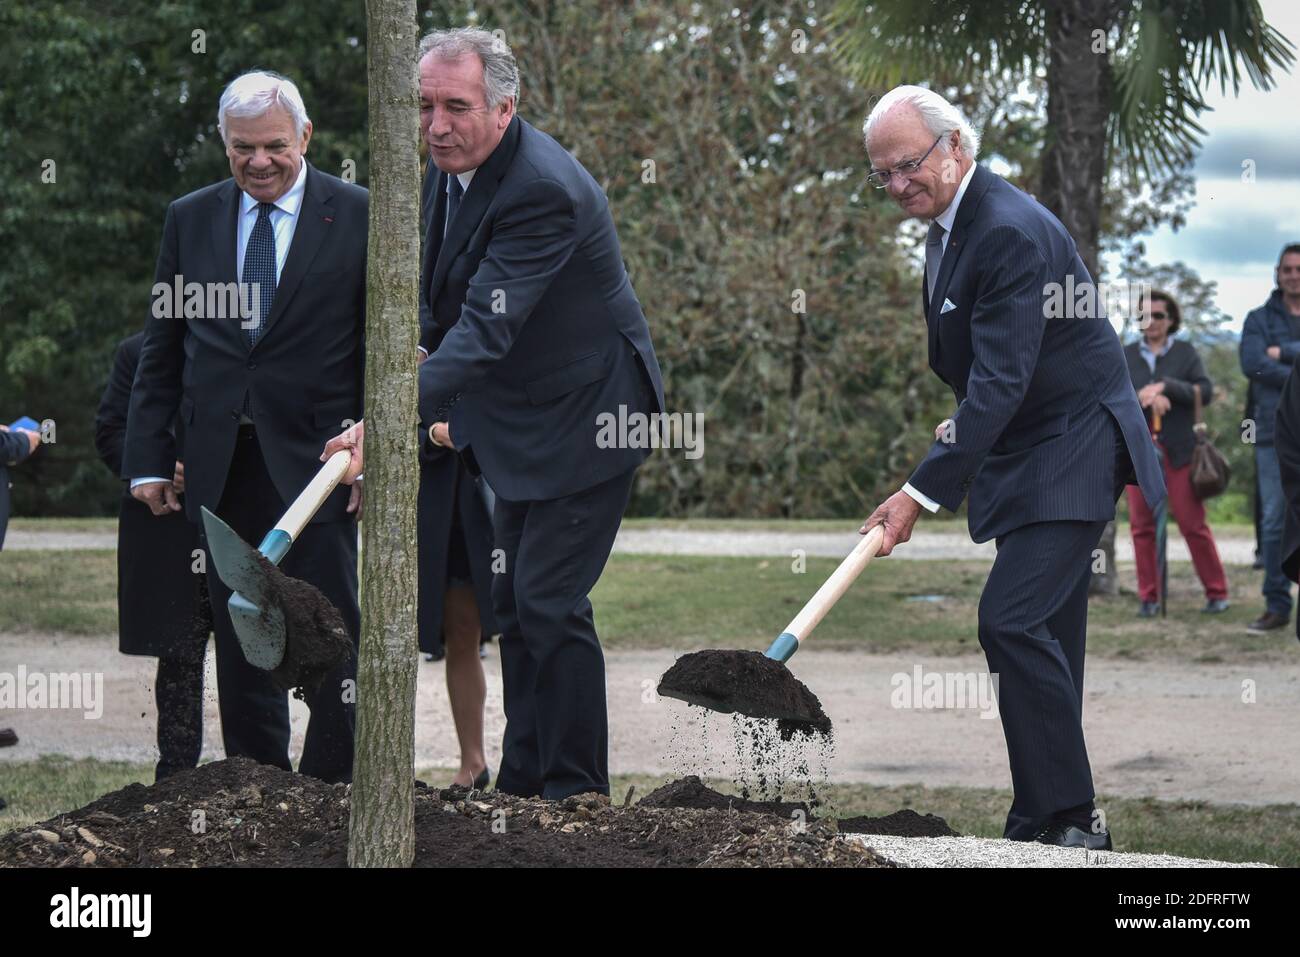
column 256, row 618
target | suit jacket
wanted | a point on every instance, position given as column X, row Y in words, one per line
column 1035, row 396
column 1269, row 325
column 302, row 380
column 161, row 601
column 14, row 448
column 532, row 319
column 1181, row 370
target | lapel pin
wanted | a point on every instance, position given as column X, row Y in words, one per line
column 328, row 219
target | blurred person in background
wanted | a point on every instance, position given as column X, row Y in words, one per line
column 1270, row 343
column 1165, row 371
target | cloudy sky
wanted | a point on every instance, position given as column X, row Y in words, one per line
column 1234, row 232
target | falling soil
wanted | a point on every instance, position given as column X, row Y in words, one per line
column 747, row 682
column 905, row 823
column 316, row 640
column 237, row 813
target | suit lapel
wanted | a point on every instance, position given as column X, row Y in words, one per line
column 314, row 219
column 225, row 238
column 979, row 184
column 435, row 210
column 473, row 204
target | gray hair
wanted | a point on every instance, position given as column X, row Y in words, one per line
column 938, row 114
column 255, row 93
column 500, row 72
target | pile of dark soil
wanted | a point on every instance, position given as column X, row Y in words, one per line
column 316, row 640
column 905, row 823
column 748, row 682
column 237, row 813
column 691, row 792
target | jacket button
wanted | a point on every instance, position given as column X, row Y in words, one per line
column 234, row 414
column 252, row 365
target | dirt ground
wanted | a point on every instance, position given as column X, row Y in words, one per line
column 241, row 814
column 1156, row 728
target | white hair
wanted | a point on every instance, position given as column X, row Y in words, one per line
column 255, row 93
column 938, row 114
column 500, row 71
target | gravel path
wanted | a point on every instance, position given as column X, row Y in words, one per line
column 642, row 541
column 1162, row 728
column 987, row 852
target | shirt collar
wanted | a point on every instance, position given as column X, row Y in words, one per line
column 464, row 178
column 290, row 202
column 1146, row 349
column 946, row 218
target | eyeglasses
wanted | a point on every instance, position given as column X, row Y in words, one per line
column 879, row 178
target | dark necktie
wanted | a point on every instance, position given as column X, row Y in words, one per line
column 933, row 256
column 259, row 268
column 454, row 192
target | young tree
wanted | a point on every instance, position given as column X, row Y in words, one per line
column 382, row 827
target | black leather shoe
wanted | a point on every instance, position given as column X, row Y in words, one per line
column 1269, row 621
column 1065, row 834
column 1148, row 609
column 1215, row 605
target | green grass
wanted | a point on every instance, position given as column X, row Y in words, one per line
column 702, row 602
column 74, row 592
column 107, row 526
column 39, row 789
column 687, row 602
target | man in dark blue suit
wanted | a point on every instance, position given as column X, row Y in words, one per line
column 533, row 333
column 1046, row 433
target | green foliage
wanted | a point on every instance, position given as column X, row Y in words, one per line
column 758, row 192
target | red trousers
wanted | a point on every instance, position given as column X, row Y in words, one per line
column 1189, row 512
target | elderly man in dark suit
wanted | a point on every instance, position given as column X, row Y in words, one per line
column 162, row 603
column 259, row 392
column 534, row 324
column 1046, row 433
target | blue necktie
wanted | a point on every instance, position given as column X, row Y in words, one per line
column 259, row 268
column 454, row 192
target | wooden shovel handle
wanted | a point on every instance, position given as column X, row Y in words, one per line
column 317, row 490
column 835, row 586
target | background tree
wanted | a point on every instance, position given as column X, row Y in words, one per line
column 381, row 830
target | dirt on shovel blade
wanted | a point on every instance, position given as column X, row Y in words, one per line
column 748, row 682
column 316, row 640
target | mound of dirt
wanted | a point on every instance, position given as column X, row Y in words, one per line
column 691, row 792
column 237, row 813
column 905, row 823
column 747, row 682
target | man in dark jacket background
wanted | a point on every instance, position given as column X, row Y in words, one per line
column 15, row 446
column 162, row 601
column 1270, row 345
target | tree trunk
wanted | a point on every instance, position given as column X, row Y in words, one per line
column 382, row 826
column 1074, row 160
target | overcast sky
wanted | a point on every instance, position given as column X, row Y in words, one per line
column 1234, row 232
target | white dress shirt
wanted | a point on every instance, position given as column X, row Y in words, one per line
column 284, row 220
column 944, row 219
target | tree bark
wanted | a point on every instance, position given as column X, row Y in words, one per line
column 382, row 825
column 1074, row 160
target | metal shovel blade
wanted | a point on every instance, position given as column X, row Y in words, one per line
column 257, row 620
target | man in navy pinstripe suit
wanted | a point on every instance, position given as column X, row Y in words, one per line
column 1046, row 433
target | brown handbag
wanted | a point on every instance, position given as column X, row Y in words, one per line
column 1210, row 472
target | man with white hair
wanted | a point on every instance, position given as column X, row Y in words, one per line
column 260, row 387
column 1047, row 431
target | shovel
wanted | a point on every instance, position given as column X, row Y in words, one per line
column 741, row 681
column 257, row 619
